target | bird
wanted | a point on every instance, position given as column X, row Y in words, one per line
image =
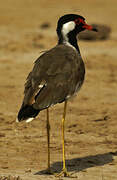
column 56, row 76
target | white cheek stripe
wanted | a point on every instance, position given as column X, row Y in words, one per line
column 67, row 27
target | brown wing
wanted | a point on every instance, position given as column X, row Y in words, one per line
column 53, row 78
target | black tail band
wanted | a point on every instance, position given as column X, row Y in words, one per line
column 27, row 112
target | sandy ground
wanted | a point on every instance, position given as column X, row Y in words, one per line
column 91, row 124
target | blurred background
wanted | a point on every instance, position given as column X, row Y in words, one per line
column 28, row 27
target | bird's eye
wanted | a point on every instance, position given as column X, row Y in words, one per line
column 78, row 21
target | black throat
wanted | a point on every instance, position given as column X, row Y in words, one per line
column 69, row 38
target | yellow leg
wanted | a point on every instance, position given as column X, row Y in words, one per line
column 64, row 170
column 63, row 135
column 48, row 140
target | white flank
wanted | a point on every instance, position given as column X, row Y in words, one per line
column 29, row 120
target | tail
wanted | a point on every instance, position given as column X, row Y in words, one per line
column 27, row 113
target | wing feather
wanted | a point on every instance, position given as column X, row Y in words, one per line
column 53, row 77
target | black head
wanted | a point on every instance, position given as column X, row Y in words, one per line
column 72, row 22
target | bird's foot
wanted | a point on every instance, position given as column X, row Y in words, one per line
column 64, row 173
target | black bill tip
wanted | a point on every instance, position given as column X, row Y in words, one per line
column 94, row 29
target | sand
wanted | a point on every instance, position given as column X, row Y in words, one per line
column 91, row 122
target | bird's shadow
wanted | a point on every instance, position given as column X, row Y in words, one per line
column 80, row 164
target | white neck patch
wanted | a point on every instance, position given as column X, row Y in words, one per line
column 67, row 27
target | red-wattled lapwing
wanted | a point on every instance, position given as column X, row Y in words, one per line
column 57, row 75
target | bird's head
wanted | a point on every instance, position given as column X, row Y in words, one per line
column 72, row 23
